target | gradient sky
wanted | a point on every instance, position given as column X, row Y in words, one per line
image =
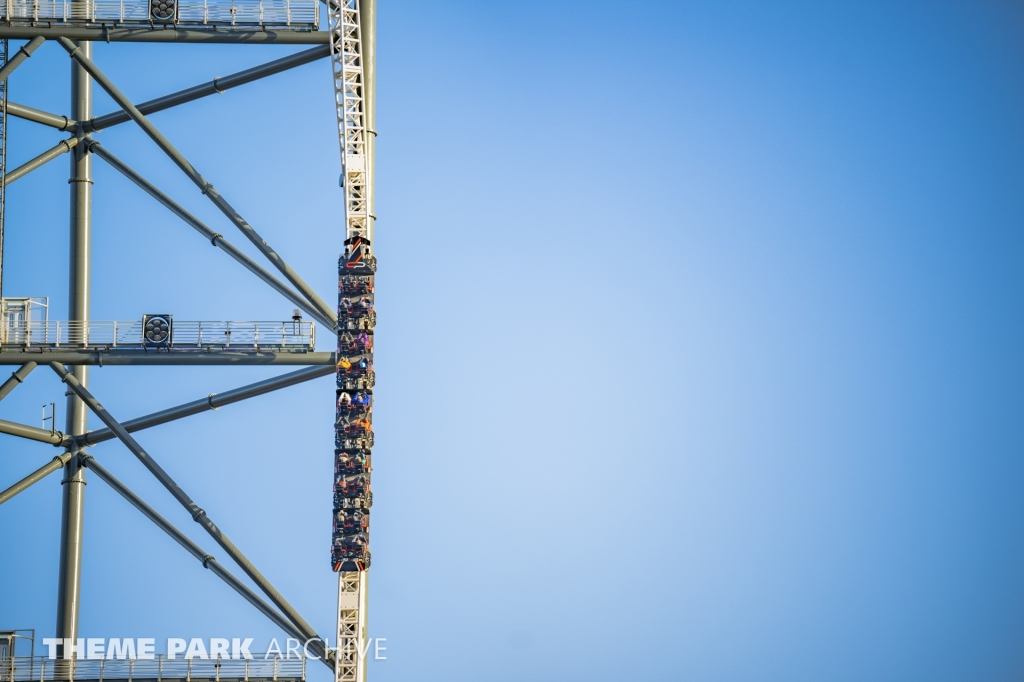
column 699, row 343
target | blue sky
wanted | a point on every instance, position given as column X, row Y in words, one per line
column 698, row 350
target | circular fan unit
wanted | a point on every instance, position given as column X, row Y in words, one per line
column 156, row 330
column 162, row 10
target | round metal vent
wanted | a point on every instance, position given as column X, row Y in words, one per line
column 156, row 330
column 162, row 10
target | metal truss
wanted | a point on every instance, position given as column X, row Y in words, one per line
column 7, row 66
column 349, row 102
column 83, row 342
column 352, row 593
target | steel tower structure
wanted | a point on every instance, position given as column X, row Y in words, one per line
column 71, row 346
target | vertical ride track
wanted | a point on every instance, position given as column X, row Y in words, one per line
column 353, row 429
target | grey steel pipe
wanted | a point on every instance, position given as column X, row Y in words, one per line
column 37, row 116
column 39, row 474
column 215, row 238
column 213, row 402
column 122, row 358
column 198, row 515
column 32, row 433
column 192, row 548
column 206, row 188
column 21, row 55
column 79, row 287
column 17, row 378
column 214, row 87
column 165, row 35
column 62, row 147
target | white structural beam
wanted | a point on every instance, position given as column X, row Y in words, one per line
column 350, row 103
column 350, row 658
column 348, row 38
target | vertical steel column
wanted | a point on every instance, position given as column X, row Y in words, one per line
column 68, row 590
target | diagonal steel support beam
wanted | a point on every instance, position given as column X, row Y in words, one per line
column 331, row 322
column 216, row 86
column 37, row 116
column 206, row 188
column 213, row 402
column 16, row 379
column 22, row 54
column 198, row 515
column 56, row 464
column 32, row 433
column 62, row 147
column 192, row 548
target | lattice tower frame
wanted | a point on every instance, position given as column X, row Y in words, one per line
column 352, row 113
column 353, row 84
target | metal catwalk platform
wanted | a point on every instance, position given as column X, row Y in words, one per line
column 110, row 335
column 300, row 15
column 261, row 668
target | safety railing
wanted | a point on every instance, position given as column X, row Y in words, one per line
column 260, row 668
column 295, row 14
column 54, row 334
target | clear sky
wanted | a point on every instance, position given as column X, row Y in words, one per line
column 699, row 343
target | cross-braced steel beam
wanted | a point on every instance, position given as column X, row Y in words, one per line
column 62, row 147
column 24, row 53
column 213, row 402
column 192, row 548
column 16, row 379
column 215, row 87
column 198, row 515
column 189, row 170
column 32, row 433
column 215, row 238
column 39, row 474
column 43, row 117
